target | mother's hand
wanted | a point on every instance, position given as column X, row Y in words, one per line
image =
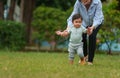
column 90, row 29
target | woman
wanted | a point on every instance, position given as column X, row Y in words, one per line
column 91, row 12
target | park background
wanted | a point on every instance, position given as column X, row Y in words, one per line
column 29, row 47
column 31, row 25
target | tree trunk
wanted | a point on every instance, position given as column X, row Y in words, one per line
column 109, row 52
column 1, row 10
column 118, row 4
column 26, row 16
column 109, row 48
column 11, row 10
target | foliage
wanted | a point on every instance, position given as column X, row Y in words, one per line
column 110, row 30
column 61, row 4
column 69, row 11
column 46, row 21
column 12, row 35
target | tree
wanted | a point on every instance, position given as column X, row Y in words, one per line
column 110, row 31
column 27, row 8
column 61, row 4
column 118, row 5
column 1, row 9
column 11, row 9
column 46, row 21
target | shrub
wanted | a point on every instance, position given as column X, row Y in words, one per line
column 12, row 35
column 46, row 21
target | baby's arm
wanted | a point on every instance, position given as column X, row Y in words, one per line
column 64, row 33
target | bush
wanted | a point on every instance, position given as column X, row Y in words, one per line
column 46, row 21
column 12, row 35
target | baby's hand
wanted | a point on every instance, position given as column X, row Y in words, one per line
column 58, row 32
column 88, row 31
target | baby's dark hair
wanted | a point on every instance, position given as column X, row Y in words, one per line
column 76, row 16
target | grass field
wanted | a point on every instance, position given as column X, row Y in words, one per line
column 55, row 65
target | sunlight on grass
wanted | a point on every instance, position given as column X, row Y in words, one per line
column 55, row 65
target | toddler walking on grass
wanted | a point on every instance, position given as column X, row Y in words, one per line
column 75, row 41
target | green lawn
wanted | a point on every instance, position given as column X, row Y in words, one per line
column 55, row 65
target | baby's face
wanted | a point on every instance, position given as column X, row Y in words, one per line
column 77, row 22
